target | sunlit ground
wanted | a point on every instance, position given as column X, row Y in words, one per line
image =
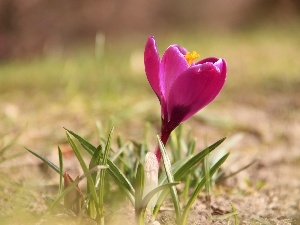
column 106, row 83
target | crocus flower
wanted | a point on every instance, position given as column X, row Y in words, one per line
column 182, row 86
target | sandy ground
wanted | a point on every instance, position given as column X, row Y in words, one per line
column 268, row 131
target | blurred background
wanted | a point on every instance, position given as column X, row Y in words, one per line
column 33, row 27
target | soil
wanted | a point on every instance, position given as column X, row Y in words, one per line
column 261, row 127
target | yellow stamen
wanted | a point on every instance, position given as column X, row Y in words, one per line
column 190, row 57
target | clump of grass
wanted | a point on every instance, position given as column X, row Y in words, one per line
column 125, row 168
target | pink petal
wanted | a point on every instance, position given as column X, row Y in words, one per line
column 181, row 49
column 195, row 88
column 210, row 59
column 173, row 64
column 152, row 64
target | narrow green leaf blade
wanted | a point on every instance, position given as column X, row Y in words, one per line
column 199, row 188
column 119, row 176
column 61, row 168
column 167, row 165
column 71, row 186
column 95, row 161
column 123, row 183
column 183, row 168
column 102, row 174
column 139, row 185
column 85, row 169
column 113, row 170
column 85, row 144
column 60, row 197
column 148, row 197
column 48, row 162
column 140, row 211
column 195, row 160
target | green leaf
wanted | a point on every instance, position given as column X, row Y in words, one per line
column 102, row 174
column 85, row 144
column 221, row 178
column 195, row 160
column 139, row 185
column 49, row 200
column 199, row 188
column 191, row 147
column 226, row 216
column 176, row 165
column 118, row 153
column 60, row 197
column 122, row 182
column 92, row 189
column 113, row 170
column 48, row 162
column 187, row 186
column 150, row 195
column 206, row 167
column 71, row 186
column 175, row 142
column 61, row 169
column 95, row 161
column 140, row 211
column 183, row 166
column 182, row 169
column 167, row 165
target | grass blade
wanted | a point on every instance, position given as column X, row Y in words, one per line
column 85, row 144
column 148, row 197
column 175, row 168
column 118, row 153
column 139, row 188
column 199, row 188
column 84, row 167
column 185, row 168
column 208, row 185
column 221, row 178
column 180, row 169
column 122, row 182
column 139, row 185
column 102, row 174
column 95, row 161
column 48, row 162
column 113, row 170
column 167, row 165
column 61, row 168
column 71, row 186
column 195, row 160
column 140, row 212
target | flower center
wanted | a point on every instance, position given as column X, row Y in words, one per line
column 190, row 57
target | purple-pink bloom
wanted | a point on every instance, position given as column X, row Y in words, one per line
column 182, row 87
